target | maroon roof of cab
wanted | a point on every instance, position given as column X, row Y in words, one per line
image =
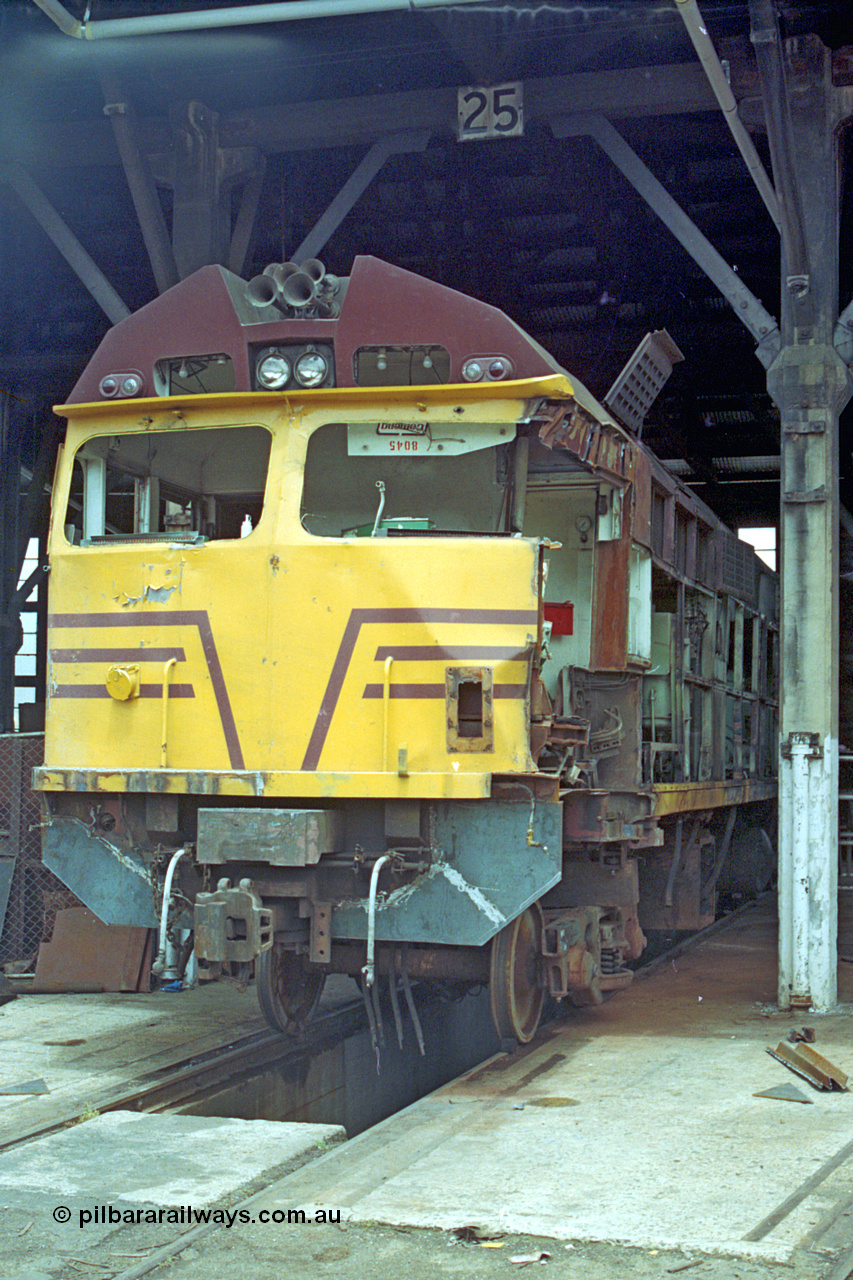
column 210, row 312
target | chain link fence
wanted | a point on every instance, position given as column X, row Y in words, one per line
column 30, row 895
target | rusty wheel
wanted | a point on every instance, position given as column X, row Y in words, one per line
column 516, row 995
column 288, row 993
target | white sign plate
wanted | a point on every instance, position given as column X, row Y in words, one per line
column 424, row 439
column 495, row 111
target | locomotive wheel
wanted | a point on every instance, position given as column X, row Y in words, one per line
column 288, row 993
column 516, row 996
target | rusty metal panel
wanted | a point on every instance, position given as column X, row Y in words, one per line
column 610, row 701
column 84, row 951
column 811, row 1065
column 641, row 521
column 610, row 605
column 599, row 445
column 280, row 837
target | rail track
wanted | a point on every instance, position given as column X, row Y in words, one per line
column 200, row 1076
column 191, row 1081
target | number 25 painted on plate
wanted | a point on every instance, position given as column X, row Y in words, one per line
column 493, row 112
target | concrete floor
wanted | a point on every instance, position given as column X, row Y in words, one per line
column 626, row 1140
column 635, row 1122
column 89, row 1048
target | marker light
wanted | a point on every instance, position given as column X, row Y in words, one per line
column 121, row 385
column 472, row 371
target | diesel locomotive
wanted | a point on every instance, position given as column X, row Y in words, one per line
column 377, row 646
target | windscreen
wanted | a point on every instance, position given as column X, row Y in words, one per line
column 390, row 480
column 189, row 485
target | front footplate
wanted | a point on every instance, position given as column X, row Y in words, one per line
column 231, row 925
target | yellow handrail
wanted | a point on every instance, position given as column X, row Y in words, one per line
column 167, row 671
column 386, row 711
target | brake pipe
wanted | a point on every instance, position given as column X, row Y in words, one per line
column 160, row 963
column 368, row 970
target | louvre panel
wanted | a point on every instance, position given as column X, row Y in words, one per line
column 738, row 563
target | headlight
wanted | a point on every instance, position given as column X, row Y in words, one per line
column 472, row 371
column 311, row 369
column 273, row 371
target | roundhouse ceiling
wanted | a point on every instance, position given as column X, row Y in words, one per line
column 542, row 226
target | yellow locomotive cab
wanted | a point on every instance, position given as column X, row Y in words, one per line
column 377, row 646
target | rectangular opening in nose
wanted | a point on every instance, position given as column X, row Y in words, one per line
column 470, row 709
column 470, row 720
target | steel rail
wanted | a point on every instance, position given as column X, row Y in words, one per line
column 192, row 1079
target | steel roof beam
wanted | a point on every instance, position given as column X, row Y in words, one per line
column 84, row 267
column 760, row 323
column 206, row 19
column 143, row 190
column 635, row 92
column 355, row 186
column 718, row 80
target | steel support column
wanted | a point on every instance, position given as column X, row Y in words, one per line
column 146, row 201
column 810, row 383
column 202, row 175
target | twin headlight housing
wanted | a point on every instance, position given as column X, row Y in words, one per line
column 277, row 368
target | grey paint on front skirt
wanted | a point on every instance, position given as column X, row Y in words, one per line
column 113, row 882
column 485, row 874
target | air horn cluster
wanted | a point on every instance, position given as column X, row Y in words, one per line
column 297, row 289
